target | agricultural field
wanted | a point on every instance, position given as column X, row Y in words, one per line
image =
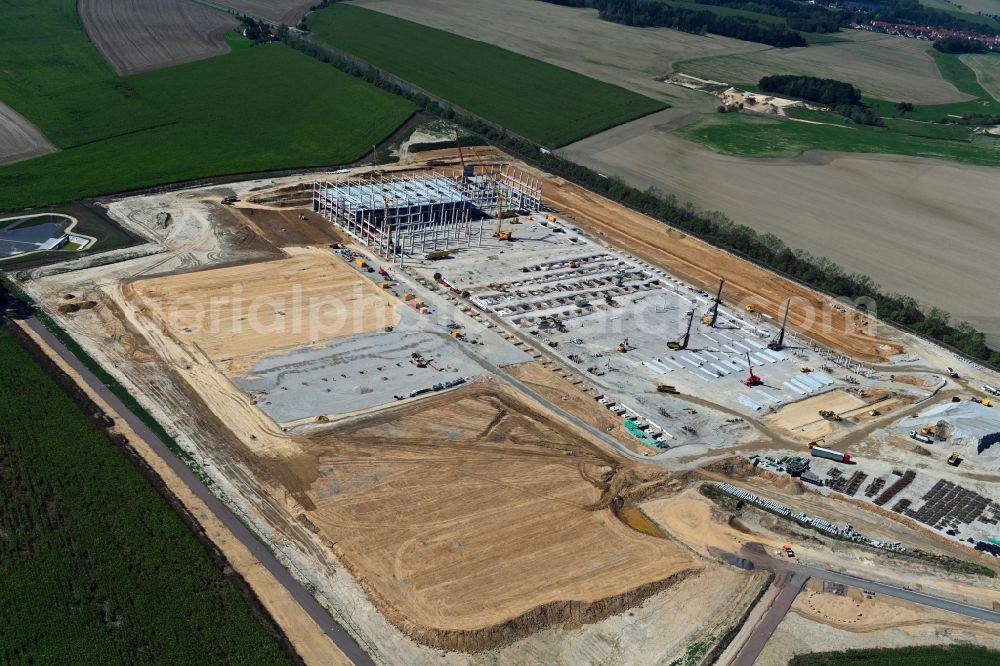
column 282, row 11
column 987, row 69
column 138, row 35
column 199, row 119
column 19, row 139
column 869, row 213
column 752, row 135
column 568, row 37
column 97, row 568
column 892, row 68
column 547, row 104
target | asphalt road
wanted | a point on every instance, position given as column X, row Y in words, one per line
column 337, row 634
column 790, row 589
column 968, row 610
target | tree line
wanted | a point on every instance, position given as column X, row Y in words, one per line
column 766, row 250
column 842, row 98
column 960, row 45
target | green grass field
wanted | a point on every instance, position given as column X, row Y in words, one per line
column 547, row 104
column 959, row 75
column 930, row 655
column 760, row 136
column 96, row 567
column 255, row 109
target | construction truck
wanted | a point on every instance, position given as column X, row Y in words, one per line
column 805, row 368
column 992, row 390
column 666, row 388
column 954, row 459
column 787, row 551
column 830, row 454
column 920, row 437
column 829, row 415
column 953, row 373
column 751, row 308
column 622, row 346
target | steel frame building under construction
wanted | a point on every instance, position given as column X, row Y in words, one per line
column 399, row 216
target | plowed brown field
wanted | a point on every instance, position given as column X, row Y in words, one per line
column 473, row 518
column 138, row 35
column 19, row 139
column 283, row 11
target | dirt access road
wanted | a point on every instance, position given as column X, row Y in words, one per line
column 294, row 609
column 923, row 228
column 139, row 35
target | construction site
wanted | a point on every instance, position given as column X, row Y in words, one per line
column 487, row 416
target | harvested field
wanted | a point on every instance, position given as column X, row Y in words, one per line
column 139, row 35
column 474, row 518
column 569, row 37
column 987, row 69
column 871, row 214
column 882, row 66
column 283, row 11
column 246, row 311
column 19, row 139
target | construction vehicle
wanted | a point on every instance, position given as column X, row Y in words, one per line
column 805, row 368
column 666, row 388
column 830, row 454
column 751, row 379
column 713, row 314
column 929, row 430
column 468, row 170
column 551, row 218
column 751, row 308
column 230, row 200
column 829, row 415
column 361, row 263
column 920, row 437
column 683, row 342
column 953, row 373
column 623, row 346
column 787, row 551
column 437, row 254
column 456, row 334
column 816, row 442
column 384, row 285
column 954, row 459
column 992, row 390
column 778, row 343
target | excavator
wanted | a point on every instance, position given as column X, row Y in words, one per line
column 683, row 342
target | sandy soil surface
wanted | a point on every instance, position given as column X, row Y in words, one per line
column 473, row 518
column 824, row 621
column 884, row 66
column 139, row 35
column 802, row 418
column 253, row 309
column 871, row 214
column 19, row 139
column 282, row 11
column 308, row 639
column 572, row 38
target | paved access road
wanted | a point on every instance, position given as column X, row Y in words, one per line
column 790, row 589
column 967, row 610
column 337, row 634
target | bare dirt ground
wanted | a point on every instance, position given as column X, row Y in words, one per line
column 257, row 308
column 283, row 11
column 802, row 417
column 139, row 35
column 822, row 621
column 19, row 139
column 571, row 38
column 884, row 66
column 871, row 214
column 438, row 506
column 563, row 392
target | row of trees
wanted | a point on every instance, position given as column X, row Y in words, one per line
column 842, row 98
column 652, row 13
column 960, row 45
column 910, row 11
column 764, row 249
column 798, row 15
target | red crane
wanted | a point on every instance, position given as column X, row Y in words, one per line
column 752, row 379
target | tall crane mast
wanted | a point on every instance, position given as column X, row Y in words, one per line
column 711, row 318
column 778, row 343
column 683, row 343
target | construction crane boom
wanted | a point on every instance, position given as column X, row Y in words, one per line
column 687, row 334
column 778, row 343
column 710, row 319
